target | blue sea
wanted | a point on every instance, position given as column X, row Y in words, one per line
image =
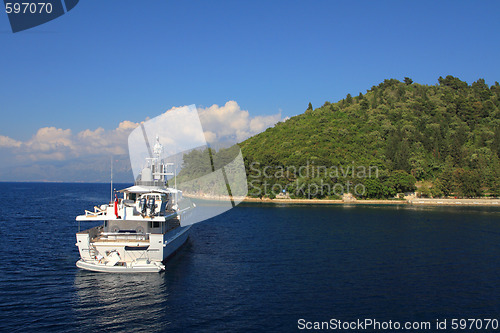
column 255, row 268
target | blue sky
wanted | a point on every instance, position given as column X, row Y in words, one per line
column 113, row 60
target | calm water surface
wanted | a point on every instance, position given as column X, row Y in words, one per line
column 256, row 267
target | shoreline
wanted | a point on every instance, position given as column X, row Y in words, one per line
column 411, row 201
column 327, row 201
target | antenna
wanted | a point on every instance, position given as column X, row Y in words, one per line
column 111, row 179
column 175, row 180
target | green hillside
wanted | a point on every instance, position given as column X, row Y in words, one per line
column 445, row 136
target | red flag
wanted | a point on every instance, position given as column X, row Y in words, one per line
column 116, row 206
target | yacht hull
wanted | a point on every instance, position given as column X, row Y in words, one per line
column 159, row 249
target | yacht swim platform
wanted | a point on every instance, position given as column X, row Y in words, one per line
column 137, row 267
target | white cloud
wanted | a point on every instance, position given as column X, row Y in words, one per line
column 260, row 123
column 220, row 123
column 6, row 142
column 230, row 122
column 49, row 139
column 57, row 144
column 100, row 141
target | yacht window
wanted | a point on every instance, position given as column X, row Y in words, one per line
column 154, row 224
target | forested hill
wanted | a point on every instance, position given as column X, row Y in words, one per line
column 446, row 135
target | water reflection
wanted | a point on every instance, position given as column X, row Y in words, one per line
column 122, row 302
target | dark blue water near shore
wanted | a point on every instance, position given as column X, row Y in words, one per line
column 257, row 267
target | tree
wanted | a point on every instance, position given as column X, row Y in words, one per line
column 468, row 183
column 436, row 189
column 373, row 188
column 496, row 87
column 402, row 182
column 495, row 188
column 481, row 89
column 408, row 81
column 310, row 106
column 445, row 182
column 425, row 191
column 452, row 82
column 364, row 105
column 374, row 100
column 348, row 99
column 495, row 145
column 397, row 150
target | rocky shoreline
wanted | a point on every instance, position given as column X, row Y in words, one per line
column 352, row 201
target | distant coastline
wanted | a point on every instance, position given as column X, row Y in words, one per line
column 411, row 201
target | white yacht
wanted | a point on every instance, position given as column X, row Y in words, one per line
column 142, row 229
